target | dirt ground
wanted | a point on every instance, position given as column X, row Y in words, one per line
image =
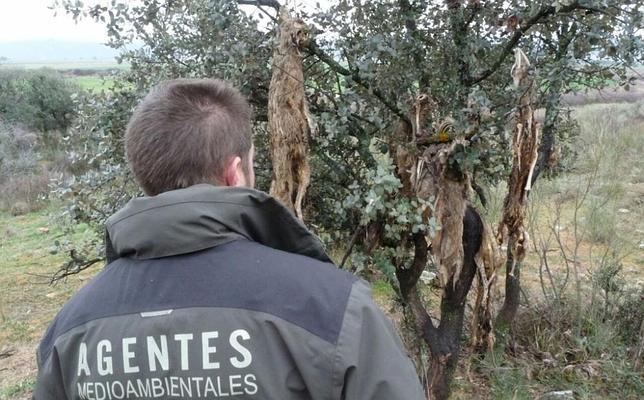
column 18, row 365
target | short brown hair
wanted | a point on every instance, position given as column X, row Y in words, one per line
column 183, row 133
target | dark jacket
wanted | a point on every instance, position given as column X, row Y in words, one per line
column 220, row 292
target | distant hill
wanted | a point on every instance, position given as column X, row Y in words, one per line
column 54, row 51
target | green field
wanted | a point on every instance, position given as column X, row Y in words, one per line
column 94, row 83
column 100, row 77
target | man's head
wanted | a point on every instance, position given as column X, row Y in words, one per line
column 190, row 131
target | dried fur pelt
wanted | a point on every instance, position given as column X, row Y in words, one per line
column 404, row 156
column 447, row 244
column 403, row 146
column 525, row 146
column 422, row 108
column 289, row 120
column 488, row 259
column 433, row 177
column 426, row 173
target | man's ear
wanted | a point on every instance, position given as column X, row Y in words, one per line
column 231, row 173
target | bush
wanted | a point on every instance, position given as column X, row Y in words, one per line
column 40, row 100
column 23, row 180
column 629, row 315
column 558, row 347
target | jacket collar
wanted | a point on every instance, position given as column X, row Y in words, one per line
column 204, row 216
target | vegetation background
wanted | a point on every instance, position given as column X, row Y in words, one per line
column 579, row 328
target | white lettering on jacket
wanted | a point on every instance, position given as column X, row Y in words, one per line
column 157, row 353
column 103, row 362
column 82, row 360
column 207, row 349
column 183, row 338
column 247, row 358
column 128, row 355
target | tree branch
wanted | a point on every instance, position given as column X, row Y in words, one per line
column 75, row 265
column 261, row 3
column 352, row 243
column 334, row 65
column 458, row 27
column 552, row 110
column 313, row 48
column 474, row 9
column 407, row 279
column 414, row 34
column 518, row 34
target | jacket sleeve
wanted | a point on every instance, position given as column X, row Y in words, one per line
column 49, row 384
column 371, row 362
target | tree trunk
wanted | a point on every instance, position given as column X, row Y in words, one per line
column 512, row 294
column 444, row 341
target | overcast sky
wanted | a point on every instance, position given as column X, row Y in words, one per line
column 32, row 19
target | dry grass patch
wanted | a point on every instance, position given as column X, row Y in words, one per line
column 27, row 302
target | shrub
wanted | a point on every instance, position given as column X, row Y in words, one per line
column 629, row 315
column 23, row 181
column 41, row 100
column 558, row 347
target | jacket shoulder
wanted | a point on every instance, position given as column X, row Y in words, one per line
column 245, row 275
column 308, row 292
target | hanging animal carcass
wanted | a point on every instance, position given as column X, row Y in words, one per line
column 426, row 172
column 288, row 115
column 525, row 142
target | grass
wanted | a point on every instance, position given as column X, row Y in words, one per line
column 382, row 289
column 94, row 83
column 592, row 355
column 27, row 302
column 18, row 389
column 529, row 378
column 594, row 364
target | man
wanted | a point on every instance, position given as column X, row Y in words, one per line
column 213, row 289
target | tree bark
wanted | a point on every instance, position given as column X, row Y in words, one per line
column 512, row 294
column 445, row 341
